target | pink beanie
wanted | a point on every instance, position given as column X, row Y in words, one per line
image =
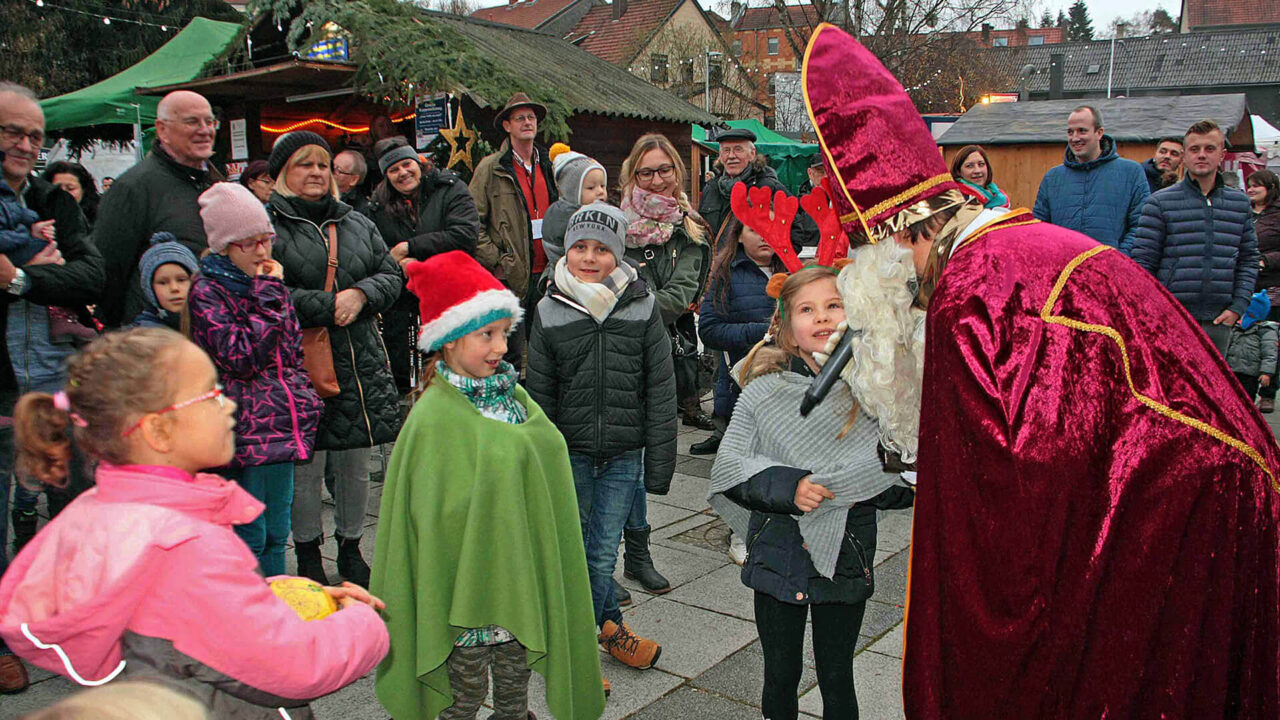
column 231, row 212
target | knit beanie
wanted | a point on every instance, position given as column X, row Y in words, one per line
column 457, row 296
column 395, row 154
column 231, row 212
column 571, row 170
column 601, row 222
column 290, row 143
column 164, row 249
column 1259, row 308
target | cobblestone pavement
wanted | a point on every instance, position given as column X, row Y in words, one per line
column 711, row 665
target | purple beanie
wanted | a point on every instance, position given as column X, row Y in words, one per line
column 231, row 212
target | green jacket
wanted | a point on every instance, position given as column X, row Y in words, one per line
column 480, row 527
column 505, row 246
column 674, row 271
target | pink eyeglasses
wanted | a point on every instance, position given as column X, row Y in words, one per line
column 251, row 245
column 215, row 394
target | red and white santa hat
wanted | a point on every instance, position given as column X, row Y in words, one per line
column 457, row 296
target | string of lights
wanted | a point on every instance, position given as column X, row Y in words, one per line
column 106, row 19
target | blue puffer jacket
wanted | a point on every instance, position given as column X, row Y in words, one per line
column 1203, row 249
column 1101, row 198
column 735, row 323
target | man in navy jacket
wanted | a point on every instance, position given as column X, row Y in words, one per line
column 1094, row 190
column 1197, row 238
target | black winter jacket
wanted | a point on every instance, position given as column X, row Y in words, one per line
column 366, row 412
column 609, row 387
column 77, row 283
column 157, row 194
column 714, row 206
column 446, row 219
column 1203, row 249
column 1155, row 178
column 1266, row 225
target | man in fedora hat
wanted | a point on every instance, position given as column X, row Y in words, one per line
column 513, row 189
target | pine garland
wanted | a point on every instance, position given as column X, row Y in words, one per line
column 402, row 51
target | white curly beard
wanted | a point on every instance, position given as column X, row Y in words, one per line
column 887, row 370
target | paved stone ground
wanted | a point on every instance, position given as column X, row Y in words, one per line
column 711, row 666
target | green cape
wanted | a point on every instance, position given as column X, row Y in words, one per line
column 479, row 526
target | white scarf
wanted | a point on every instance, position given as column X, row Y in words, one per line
column 597, row 298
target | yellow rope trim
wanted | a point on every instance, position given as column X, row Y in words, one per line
column 822, row 143
column 903, row 196
column 1048, row 317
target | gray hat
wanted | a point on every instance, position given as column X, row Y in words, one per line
column 570, row 169
column 600, row 222
column 736, row 134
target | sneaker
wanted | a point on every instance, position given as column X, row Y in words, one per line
column 629, row 649
column 1267, row 405
column 737, row 549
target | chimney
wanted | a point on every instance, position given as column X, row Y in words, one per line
column 1055, row 76
column 736, row 10
column 619, row 8
column 986, row 34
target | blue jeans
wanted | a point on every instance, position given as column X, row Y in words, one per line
column 638, row 518
column 606, row 492
column 266, row 536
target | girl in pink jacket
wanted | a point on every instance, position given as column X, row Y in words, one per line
column 142, row 575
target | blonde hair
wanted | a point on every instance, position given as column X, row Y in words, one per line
column 774, row 353
column 131, row 700
column 658, row 141
column 302, row 154
column 115, row 380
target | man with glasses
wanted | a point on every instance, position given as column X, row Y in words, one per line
column 67, row 273
column 160, row 193
column 512, row 189
column 742, row 164
column 349, row 169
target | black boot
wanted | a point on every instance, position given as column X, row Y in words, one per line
column 691, row 414
column 310, row 564
column 351, row 566
column 622, row 595
column 706, row 447
column 638, row 565
column 24, row 528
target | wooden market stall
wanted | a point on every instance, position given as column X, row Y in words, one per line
column 1024, row 139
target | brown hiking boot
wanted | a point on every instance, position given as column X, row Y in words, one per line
column 13, row 675
column 1267, row 405
column 627, row 647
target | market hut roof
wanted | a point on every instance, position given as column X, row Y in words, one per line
column 586, row 83
column 1136, row 119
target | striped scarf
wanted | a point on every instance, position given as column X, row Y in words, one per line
column 597, row 298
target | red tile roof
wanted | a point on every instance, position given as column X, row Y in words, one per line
column 761, row 18
column 1223, row 13
column 619, row 40
column 526, row 13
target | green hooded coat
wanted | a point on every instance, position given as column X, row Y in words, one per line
column 480, row 527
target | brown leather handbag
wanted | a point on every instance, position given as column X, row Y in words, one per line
column 317, row 352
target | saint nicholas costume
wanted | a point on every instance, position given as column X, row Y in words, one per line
column 1095, row 531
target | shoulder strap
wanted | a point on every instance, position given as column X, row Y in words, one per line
column 332, row 270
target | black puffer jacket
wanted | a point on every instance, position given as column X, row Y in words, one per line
column 366, row 412
column 715, row 208
column 446, row 220
column 609, row 387
column 1267, row 226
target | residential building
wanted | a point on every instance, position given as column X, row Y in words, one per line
column 1200, row 15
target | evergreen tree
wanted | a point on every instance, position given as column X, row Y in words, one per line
column 1046, row 20
column 1162, row 22
column 1023, row 24
column 1061, row 21
column 1079, row 26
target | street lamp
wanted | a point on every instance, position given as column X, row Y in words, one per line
column 706, row 79
column 1120, row 28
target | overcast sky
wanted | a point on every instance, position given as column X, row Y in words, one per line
column 1102, row 12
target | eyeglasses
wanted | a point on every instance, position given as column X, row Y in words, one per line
column 339, row 171
column 14, row 134
column 664, row 172
column 192, row 124
column 215, row 394
column 251, row 245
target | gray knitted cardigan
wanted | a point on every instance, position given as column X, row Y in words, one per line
column 767, row 430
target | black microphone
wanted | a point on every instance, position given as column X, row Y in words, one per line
column 840, row 357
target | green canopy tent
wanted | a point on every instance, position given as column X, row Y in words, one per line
column 114, row 100
column 789, row 158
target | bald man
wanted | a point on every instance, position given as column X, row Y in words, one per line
column 160, row 193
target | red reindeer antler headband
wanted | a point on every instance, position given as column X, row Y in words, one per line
column 773, row 220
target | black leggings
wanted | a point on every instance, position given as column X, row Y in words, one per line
column 835, row 636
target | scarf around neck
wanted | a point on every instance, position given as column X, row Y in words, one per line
column 598, row 298
column 220, row 269
column 493, row 396
column 652, row 217
column 992, row 196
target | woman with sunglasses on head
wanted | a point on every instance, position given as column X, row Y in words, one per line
column 242, row 315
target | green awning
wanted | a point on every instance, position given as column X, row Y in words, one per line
column 789, row 158
column 113, row 101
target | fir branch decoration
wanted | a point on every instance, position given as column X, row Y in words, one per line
column 402, row 51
